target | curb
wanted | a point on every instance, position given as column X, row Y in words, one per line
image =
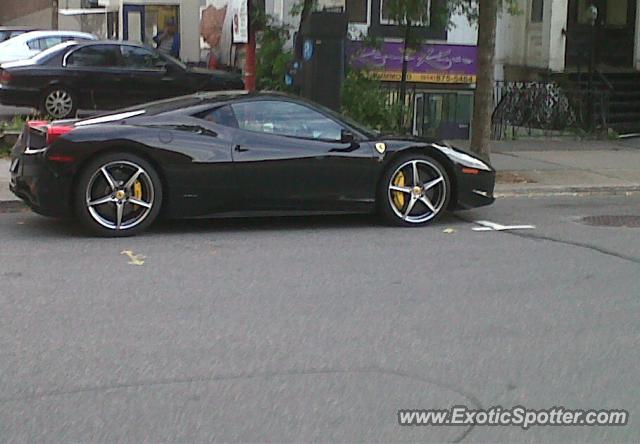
column 566, row 191
column 12, row 206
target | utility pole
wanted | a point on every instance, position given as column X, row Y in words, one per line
column 250, row 60
column 54, row 14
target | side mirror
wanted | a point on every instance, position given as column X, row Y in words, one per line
column 347, row 136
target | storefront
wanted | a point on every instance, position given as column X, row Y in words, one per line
column 143, row 22
column 441, row 81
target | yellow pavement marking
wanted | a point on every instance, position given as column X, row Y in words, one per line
column 134, row 259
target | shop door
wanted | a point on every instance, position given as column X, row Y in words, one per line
column 133, row 23
column 611, row 36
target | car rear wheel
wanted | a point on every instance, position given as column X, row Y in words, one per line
column 59, row 102
column 415, row 190
column 118, row 195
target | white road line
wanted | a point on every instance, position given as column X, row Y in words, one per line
column 492, row 226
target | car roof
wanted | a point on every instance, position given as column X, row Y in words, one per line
column 115, row 42
column 40, row 34
column 18, row 28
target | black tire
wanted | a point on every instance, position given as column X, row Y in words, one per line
column 120, row 167
column 438, row 195
column 59, row 92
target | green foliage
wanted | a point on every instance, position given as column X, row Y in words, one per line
column 14, row 124
column 364, row 101
column 272, row 58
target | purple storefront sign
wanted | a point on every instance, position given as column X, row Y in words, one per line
column 433, row 63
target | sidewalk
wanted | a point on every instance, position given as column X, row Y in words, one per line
column 543, row 167
column 536, row 167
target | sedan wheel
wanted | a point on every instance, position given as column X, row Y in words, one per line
column 120, row 196
column 58, row 103
column 417, row 191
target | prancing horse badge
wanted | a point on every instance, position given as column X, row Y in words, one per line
column 381, row 147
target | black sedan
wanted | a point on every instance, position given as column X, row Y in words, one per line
column 102, row 75
column 236, row 154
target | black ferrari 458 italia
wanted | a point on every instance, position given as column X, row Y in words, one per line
column 236, row 154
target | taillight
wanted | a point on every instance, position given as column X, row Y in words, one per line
column 5, row 76
column 53, row 132
column 37, row 123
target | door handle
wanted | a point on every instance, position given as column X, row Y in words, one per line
column 239, row 149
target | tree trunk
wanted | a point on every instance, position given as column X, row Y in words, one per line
column 54, row 14
column 307, row 7
column 483, row 104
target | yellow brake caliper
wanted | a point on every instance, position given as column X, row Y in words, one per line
column 398, row 197
column 137, row 192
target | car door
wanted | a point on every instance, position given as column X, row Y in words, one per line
column 289, row 156
column 149, row 76
column 98, row 75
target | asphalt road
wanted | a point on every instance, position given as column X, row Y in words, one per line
column 318, row 329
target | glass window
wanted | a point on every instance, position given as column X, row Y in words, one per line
column 34, row 44
column 50, row 42
column 222, row 116
column 95, row 55
column 357, row 11
column 141, row 58
column 286, row 119
column 537, row 11
column 387, row 14
column 617, row 13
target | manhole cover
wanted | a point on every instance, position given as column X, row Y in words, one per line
column 609, row 220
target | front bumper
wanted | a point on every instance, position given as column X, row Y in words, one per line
column 45, row 190
column 474, row 190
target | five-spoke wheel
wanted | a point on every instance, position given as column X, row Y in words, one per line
column 416, row 190
column 121, row 194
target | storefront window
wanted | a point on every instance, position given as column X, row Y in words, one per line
column 387, row 14
column 617, row 13
column 357, row 11
column 537, row 11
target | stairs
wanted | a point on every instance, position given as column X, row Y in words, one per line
column 624, row 99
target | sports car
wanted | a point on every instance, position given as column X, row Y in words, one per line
column 234, row 153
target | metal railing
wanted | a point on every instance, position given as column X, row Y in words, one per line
column 547, row 106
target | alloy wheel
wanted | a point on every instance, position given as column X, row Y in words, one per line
column 58, row 103
column 120, row 195
column 417, row 191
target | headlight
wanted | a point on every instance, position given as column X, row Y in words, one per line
column 463, row 158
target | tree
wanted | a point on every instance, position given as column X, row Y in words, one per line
column 483, row 103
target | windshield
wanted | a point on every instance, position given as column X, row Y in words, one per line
column 173, row 60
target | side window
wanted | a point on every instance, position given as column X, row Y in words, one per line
column 34, row 44
column 104, row 56
column 140, row 58
column 222, row 115
column 285, row 119
column 49, row 42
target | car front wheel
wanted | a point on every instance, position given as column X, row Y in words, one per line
column 118, row 195
column 415, row 190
